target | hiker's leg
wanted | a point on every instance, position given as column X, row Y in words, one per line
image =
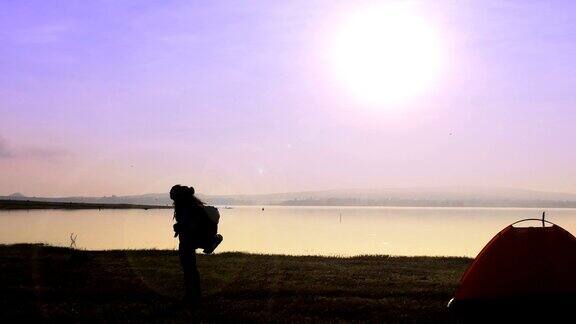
column 187, row 253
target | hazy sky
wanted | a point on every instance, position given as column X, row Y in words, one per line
column 130, row 97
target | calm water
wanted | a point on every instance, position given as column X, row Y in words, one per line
column 285, row 230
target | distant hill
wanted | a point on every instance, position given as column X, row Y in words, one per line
column 439, row 196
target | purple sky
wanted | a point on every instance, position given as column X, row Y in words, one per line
column 130, row 97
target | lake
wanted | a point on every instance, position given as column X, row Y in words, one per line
column 343, row 231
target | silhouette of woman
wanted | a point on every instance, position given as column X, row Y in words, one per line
column 189, row 214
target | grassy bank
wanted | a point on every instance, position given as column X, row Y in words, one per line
column 31, row 204
column 40, row 282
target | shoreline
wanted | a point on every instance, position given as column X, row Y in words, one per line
column 248, row 254
column 31, row 204
column 16, row 204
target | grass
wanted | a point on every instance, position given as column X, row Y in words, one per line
column 32, row 204
column 58, row 284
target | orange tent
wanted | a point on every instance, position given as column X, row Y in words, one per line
column 521, row 264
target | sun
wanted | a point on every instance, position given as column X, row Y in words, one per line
column 386, row 54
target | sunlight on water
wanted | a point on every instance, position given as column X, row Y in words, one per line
column 284, row 230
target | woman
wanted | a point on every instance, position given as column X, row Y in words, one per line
column 190, row 217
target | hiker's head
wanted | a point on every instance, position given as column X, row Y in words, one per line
column 180, row 193
column 184, row 194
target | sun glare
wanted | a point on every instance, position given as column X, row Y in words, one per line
column 386, row 54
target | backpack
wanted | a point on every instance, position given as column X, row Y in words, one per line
column 208, row 227
column 213, row 213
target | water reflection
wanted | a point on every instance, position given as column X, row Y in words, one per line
column 284, row 230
